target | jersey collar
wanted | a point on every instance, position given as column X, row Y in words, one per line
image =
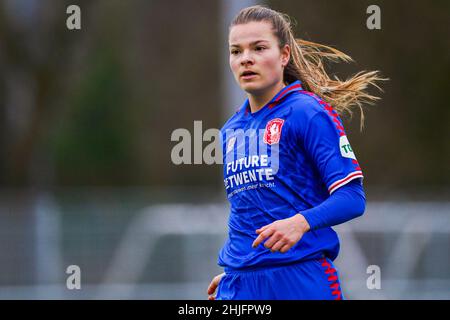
column 293, row 87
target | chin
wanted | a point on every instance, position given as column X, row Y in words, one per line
column 252, row 87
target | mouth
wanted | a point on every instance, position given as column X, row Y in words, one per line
column 248, row 74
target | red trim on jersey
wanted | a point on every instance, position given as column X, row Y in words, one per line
column 339, row 183
column 283, row 94
column 337, row 122
column 286, row 90
column 334, row 286
column 272, row 104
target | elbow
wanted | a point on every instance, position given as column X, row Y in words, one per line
column 356, row 200
column 360, row 205
column 361, row 208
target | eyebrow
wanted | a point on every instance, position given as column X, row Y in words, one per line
column 251, row 43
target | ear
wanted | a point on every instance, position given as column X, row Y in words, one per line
column 285, row 54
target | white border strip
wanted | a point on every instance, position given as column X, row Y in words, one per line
column 339, row 183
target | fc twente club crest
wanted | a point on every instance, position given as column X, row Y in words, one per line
column 272, row 134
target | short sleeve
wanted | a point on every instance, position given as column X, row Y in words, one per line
column 327, row 145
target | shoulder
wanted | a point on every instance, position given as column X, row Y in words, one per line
column 305, row 105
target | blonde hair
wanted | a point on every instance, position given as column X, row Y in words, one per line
column 307, row 64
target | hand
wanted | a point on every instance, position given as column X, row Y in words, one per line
column 213, row 286
column 282, row 234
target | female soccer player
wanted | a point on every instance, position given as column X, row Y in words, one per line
column 290, row 173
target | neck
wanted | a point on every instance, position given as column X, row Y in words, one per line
column 257, row 101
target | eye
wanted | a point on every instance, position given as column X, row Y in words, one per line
column 234, row 51
column 260, row 48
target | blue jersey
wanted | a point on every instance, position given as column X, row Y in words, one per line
column 287, row 157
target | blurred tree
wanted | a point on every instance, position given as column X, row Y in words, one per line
column 91, row 144
column 36, row 50
column 98, row 106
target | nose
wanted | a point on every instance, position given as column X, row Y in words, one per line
column 246, row 58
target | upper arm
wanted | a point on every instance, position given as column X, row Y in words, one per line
column 326, row 144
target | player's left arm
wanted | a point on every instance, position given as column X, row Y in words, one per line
column 346, row 203
column 325, row 143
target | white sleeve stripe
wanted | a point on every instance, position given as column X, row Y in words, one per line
column 339, row 183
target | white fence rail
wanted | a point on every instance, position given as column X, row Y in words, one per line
column 408, row 241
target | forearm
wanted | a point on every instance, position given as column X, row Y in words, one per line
column 346, row 203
